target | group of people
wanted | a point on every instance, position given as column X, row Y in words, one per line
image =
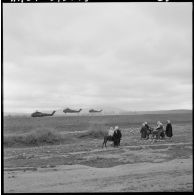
column 115, row 135
column 159, row 131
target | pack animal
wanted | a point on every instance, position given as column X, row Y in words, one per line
column 106, row 139
column 115, row 138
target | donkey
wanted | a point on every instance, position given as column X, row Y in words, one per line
column 115, row 138
column 107, row 138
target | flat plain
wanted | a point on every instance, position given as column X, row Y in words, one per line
column 78, row 163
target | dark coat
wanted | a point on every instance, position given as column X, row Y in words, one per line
column 143, row 132
column 119, row 135
column 116, row 137
column 169, row 132
column 148, row 130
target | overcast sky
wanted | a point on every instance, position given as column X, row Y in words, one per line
column 133, row 56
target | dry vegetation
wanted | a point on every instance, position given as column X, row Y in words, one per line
column 34, row 138
column 27, row 131
column 49, row 136
column 95, row 130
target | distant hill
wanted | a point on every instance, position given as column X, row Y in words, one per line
column 158, row 112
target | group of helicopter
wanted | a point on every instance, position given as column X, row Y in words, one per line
column 67, row 110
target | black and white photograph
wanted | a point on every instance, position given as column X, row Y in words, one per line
column 97, row 96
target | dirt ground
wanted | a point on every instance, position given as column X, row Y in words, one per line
column 83, row 166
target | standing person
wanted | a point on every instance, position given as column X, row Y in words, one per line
column 169, row 130
column 143, row 131
column 119, row 135
column 146, row 125
column 148, row 130
column 115, row 136
column 160, row 130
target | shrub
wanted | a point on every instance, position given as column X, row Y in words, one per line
column 95, row 130
column 37, row 137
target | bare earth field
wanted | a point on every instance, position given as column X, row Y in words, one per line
column 81, row 165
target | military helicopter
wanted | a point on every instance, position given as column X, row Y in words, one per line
column 68, row 110
column 93, row 111
column 41, row 114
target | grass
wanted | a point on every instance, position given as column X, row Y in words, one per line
column 49, row 136
column 36, row 137
column 20, row 125
column 95, row 130
column 28, row 131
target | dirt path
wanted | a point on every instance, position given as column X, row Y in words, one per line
column 173, row 175
column 143, row 146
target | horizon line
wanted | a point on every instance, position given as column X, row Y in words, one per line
column 125, row 111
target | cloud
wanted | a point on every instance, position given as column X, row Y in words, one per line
column 132, row 56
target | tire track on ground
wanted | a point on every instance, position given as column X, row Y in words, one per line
column 133, row 147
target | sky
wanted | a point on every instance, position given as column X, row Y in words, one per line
column 129, row 56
